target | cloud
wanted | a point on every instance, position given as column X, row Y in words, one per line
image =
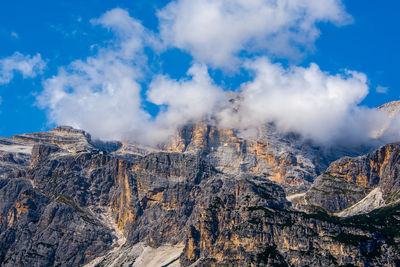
column 130, row 33
column 319, row 106
column 28, row 66
column 102, row 94
column 382, row 90
column 14, row 35
column 185, row 101
column 216, row 31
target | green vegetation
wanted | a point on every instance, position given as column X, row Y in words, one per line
column 89, row 220
column 54, row 177
column 351, row 239
column 336, row 180
column 169, row 263
column 71, row 202
column 271, row 257
column 391, row 197
column 382, row 220
column 215, row 204
column 322, row 216
column 46, row 245
column 267, row 212
column 322, row 191
column 255, row 220
column 33, row 254
column 342, row 191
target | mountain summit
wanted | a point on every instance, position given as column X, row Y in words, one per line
column 207, row 197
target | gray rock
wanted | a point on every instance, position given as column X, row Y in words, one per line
column 70, row 201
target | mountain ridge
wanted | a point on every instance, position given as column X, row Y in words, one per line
column 93, row 202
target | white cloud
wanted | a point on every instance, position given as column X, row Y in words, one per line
column 130, row 33
column 215, row 31
column 101, row 94
column 186, row 100
column 14, row 35
column 308, row 101
column 381, row 89
column 28, row 66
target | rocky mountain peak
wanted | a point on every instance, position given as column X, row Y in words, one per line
column 68, row 130
column 392, row 108
column 208, row 197
column 65, row 137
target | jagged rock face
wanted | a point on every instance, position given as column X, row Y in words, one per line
column 348, row 180
column 68, row 207
column 250, row 224
column 283, row 158
column 39, row 231
column 378, row 168
column 333, row 194
column 63, row 136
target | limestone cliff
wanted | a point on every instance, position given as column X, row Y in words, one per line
column 348, row 180
column 212, row 198
column 283, row 158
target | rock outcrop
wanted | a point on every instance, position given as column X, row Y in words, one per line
column 284, row 158
column 210, row 198
column 348, row 180
column 392, row 108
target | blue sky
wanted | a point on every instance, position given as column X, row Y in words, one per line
column 62, row 31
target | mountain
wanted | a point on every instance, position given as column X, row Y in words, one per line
column 392, row 108
column 207, row 197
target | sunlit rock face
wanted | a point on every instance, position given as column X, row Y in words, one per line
column 348, row 180
column 209, row 197
column 279, row 157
